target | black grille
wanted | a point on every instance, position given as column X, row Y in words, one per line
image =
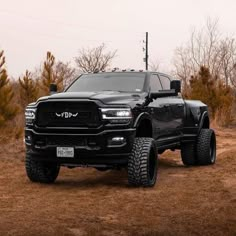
column 66, row 141
column 67, row 114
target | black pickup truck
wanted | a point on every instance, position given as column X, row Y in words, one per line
column 114, row 120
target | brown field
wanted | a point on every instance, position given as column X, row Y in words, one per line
column 185, row 201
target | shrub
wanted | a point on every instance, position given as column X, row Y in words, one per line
column 212, row 91
column 8, row 109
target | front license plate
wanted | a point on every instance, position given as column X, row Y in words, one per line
column 65, row 152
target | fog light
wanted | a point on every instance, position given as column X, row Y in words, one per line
column 116, row 141
column 40, row 142
column 28, row 139
column 92, row 142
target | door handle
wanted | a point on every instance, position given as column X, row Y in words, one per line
column 180, row 105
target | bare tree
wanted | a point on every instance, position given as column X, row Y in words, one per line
column 228, row 60
column 233, row 78
column 206, row 47
column 91, row 60
column 154, row 65
column 65, row 71
column 183, row 67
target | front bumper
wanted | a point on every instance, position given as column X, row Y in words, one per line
column 89, row 149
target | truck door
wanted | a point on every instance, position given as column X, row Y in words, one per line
column 159, row 109
column 177, row 107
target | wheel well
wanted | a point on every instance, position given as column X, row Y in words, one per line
column 206, row 123
column 144, row 129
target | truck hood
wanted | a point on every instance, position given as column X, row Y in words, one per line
column 106, row 97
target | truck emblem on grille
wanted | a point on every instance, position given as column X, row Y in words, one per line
column 66, row 114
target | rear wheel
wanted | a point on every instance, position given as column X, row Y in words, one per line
column 188, row 154
column 202, row 152
column 206, row 147
column 43, row 172
column 142, row 163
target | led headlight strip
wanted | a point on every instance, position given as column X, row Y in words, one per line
column 30, row 114
column 116, row 113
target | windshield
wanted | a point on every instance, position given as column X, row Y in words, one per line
column 122, row 82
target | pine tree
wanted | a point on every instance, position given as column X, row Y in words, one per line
column 49, row 76
column 28, row 89
column 8, row 110
column 210, row 90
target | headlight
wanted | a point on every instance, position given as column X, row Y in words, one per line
column 30, row 115
column 117, row 115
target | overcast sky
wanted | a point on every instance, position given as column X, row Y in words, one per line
column 29, row 28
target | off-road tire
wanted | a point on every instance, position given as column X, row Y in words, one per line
column 202, row 152
column 42, row 172
column 206, row 147
column 188, row 154
column 143, row 163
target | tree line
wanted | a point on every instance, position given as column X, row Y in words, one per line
column 206, row 65
column 15, row 95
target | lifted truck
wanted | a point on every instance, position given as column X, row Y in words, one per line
column 119, row 119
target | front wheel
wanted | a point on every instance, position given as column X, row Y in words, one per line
column 143, row 163
column 43, row 172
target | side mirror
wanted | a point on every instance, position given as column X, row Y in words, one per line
column 176, row 85
column 163, row 93
column 53, row 88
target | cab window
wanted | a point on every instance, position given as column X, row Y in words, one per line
column 165, row 82
column 155, row 83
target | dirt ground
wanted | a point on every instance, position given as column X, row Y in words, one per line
column 185, row 201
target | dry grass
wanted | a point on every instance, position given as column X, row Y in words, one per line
column 185, row 201
column 12, row 130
